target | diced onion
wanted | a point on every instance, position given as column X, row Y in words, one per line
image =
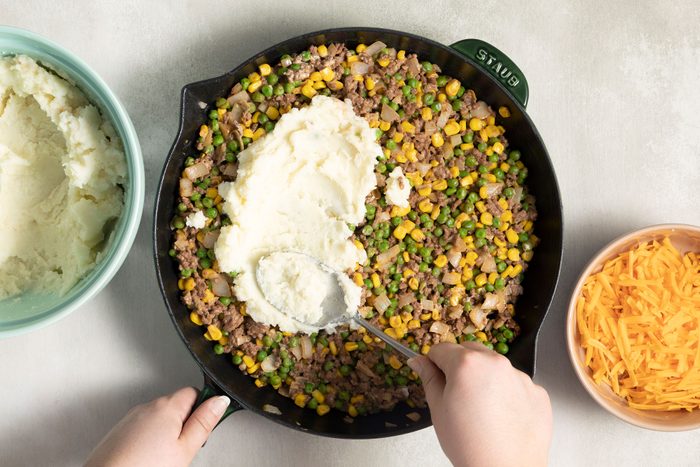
column 196, row 171
column 381, row 303
column 241, row 96
column 442, row 119
column 451, row 278
column 374, row 48
column 427, row 305
column 271, row 409
column 388, row 114
column 440, row 328
column 383, row 216
column 286, row 61
column 270, row 363
column 383, row 259
column 492, row 189
column 359, row 68
column 405, row 299
column 455, row 312
column 487, row 263
column 453, row 257
column 480, row 110
column 430, row 128
column 230, row 170
column 460, row 245
column 220, row 286
column 186, row 188
column 306, row 349
column 413, row 66
column 210, row 238
column 455, row 140
column 423, row 168
column 479, row 317
column 296, row 351
column 490, row 301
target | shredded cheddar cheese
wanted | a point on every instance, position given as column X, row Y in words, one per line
column 639, row 324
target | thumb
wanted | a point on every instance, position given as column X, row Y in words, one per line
column 202, row 421
column 433, row 379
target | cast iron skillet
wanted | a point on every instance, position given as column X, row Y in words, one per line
column 497, row 81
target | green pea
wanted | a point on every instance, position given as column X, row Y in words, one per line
column 178, row 223
column 172, row 253
column 328, row 366
column 412, row 82
column 306, row 55
column 514, row 155
column 456, row 105
column 489, row 287
column 391, row 144
column 412, row 248
column 441, row 80
column 189, row 161
column 471, row 161
column 345, row 370
column 496, row 222
column 428, row 99
column 435, row 107
column 406, row 90
column 211, row 213
column 205, row 263
column 499, row 283
column 245, row 82
column 237, row 359
column 393, row 287
column 218, row 349
column 500, row 175
column 482, row 147
column 480, row 233
column 501, row 348
column 427, row 66
column 508, row 192
column 479, row 242
column 261, row 355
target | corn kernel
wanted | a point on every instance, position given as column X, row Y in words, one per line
column 527, row 256
column 424, row 190
column 399, row 232
column 384, row 126
column 369, row 83
column 391, row 332
column 333, row 348
column 440, row 261
column 481, row 279
column 425, row 205
column 194, row 317
column 394, row 362
column 517, row 269
column 350, row 346
column 486, row 218
column 461, row 217
column 425, row 316
column 436, row 315
column 265, row 69
column 395, row 322
column 408, row 225
column 319, row 85
column 504, row 111
column 384, row 61
column 514, row 254
column 507, row 272
column 208, row 297
column 335, row 85
column 476, row 124
column 401, row 158
column 352, row 411
column 498, row 147
column 413, row 324
column 490, row 178
column 467, row 274
column 425, row 349
column 441, row 97
column 254, row 86
column 499, row 242
column 413, row 283
column 452, row 87
column 203, row 131
column 451, row 128
column 440, row 185
column 398, row 137
column 357, row 279
column 401, row 54
column 308, row 90
column 426, row 114
column 491, row 120
column 259, row 383
column 322, row 50
column 259, row 133
column 188, row 284
column 407, row 127
column 207, row 336
column 492, row 277
column 437, row 140
column 512, row 236
column 301, row 400
column 322, row 409
column 527, row 226
column 360, row 48
column 480, row 206
column 480, row 335
column 353, row 58
column 484, row 192
column 375, row 280
column 408, row 272
column 417, row 235
column 248, row 360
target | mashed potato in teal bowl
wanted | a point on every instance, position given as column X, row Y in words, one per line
column 71, row 177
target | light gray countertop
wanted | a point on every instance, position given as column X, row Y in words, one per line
column 613, row 92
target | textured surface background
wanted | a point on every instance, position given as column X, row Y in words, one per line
column 613, row 93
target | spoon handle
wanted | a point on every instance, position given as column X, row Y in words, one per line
column 398, row 346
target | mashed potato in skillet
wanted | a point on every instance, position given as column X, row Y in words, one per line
column 61, row 171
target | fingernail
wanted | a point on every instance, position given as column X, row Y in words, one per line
column 218, row 405
column 415, row 364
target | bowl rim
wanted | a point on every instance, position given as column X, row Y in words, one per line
column 126, row 229
column 573, row 347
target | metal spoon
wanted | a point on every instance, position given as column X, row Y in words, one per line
column 333, row 305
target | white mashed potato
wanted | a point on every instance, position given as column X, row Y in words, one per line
column 297, row 189
column 61, row 167
column 397, row 188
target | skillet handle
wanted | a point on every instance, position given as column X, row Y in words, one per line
column 211, row 389
column 497, row 64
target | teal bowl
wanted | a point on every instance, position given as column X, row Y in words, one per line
column 30, row 311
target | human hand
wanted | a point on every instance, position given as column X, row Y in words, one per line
column 485, row 412
column 160, row 432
